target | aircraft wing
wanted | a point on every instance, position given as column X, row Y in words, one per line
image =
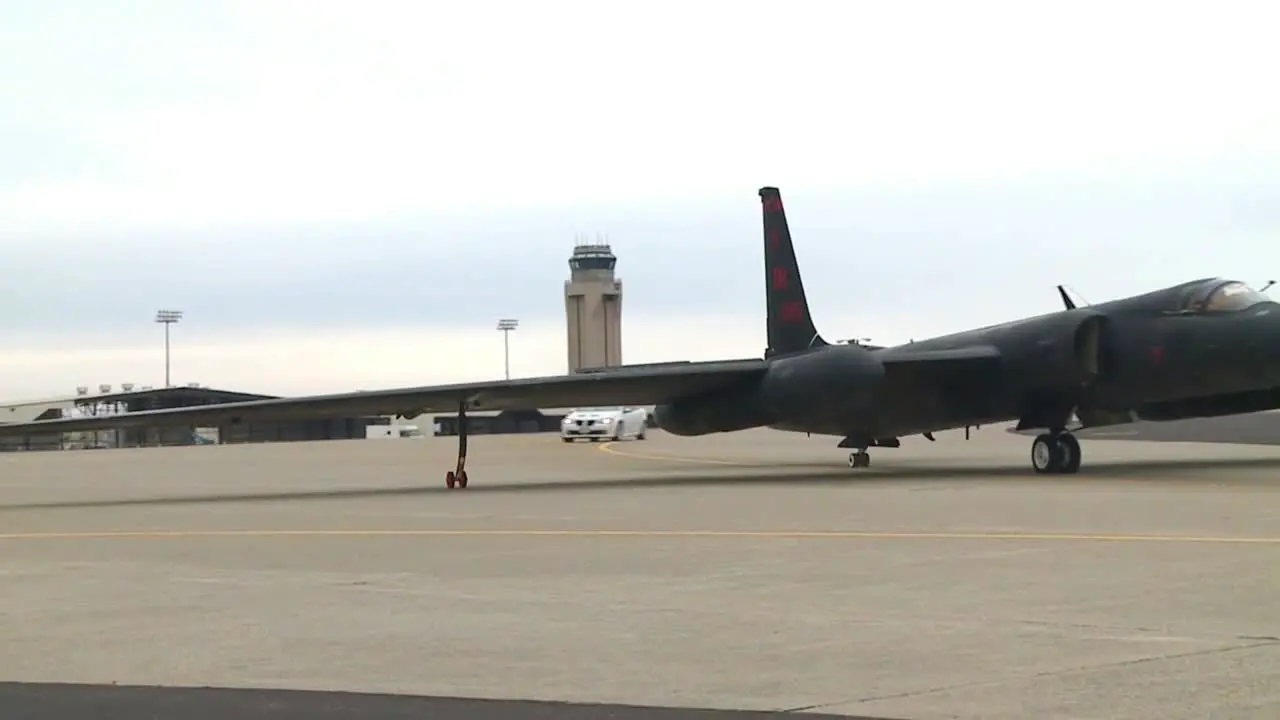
column 641, row 385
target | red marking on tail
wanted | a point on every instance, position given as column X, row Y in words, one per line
column 774, row 239
column 772, row 204
column 790, row 311
column 779, row 276
column 1157, row 354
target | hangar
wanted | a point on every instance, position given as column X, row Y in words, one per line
column 342, row 428
column 166, row 398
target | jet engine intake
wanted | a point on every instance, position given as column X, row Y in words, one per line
column 1067, row 351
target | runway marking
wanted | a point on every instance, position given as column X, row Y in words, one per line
column 586, row 533
column 608, row 448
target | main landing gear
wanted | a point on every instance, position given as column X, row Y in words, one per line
column 458, row 476
column 1056, row 452
column 859, row 442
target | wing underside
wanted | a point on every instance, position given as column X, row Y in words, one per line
column 619, row 386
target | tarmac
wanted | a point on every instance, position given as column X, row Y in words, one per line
column 1262, row 428
column 745, row 572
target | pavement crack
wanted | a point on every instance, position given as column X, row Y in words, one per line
column 1261, row 643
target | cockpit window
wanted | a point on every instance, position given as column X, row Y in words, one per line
column 1230, row 297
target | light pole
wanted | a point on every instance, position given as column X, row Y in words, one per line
column 506, row 325
column 167, row 318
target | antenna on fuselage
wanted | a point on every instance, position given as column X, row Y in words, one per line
column 1066, row 299
column 1269, row 284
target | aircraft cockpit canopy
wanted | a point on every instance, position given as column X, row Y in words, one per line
column 1221, row 296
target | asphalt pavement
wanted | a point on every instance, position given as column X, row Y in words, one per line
column 35, row 701
column 752, row 571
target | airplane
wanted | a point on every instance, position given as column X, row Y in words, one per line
column 1201, row 348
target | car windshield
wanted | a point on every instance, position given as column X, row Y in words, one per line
column 1229, row 297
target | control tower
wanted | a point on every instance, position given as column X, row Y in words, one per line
column 593, row 308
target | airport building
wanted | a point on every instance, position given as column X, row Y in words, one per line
column 593, row 308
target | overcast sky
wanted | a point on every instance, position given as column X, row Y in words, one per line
column 345, row 195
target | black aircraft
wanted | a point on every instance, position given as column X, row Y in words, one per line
column 1203, row 348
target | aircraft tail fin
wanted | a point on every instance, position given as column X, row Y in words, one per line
column 790, row 327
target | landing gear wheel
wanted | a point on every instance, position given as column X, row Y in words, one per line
column 640, row 436
column 859, row 459
column 1071, row 454
column 458, row 476
column 1046, row 454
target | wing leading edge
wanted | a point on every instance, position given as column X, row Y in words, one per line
column 619, row 386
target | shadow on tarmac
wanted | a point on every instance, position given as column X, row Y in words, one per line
column 119, row 702
column 1165, row 471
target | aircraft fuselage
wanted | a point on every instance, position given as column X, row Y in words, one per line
column 1154, row 356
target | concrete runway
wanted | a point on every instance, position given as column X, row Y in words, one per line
column 749, row 571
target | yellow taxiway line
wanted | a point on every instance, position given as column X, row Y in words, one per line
column 607, row 447
column 588, row 533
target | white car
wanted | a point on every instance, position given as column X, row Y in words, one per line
column 610, row 423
